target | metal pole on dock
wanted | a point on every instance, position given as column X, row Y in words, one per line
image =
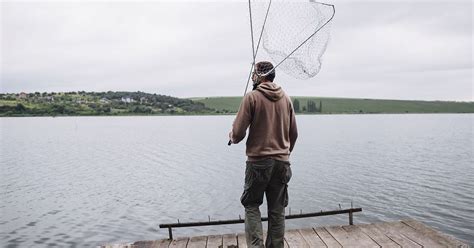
column 350, row 211
column 170, row 232
column 350, row 218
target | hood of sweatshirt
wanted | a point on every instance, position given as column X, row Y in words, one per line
column 271, row 91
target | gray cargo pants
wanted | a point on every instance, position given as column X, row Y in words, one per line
column 271, row 177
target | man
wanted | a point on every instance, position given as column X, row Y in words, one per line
column 269, row 114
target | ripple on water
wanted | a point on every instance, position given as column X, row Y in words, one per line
column 116, row 179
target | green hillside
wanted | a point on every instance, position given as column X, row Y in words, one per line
column 96, row 103
column 351, row 105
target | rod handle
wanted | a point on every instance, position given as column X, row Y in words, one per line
column 229, row 143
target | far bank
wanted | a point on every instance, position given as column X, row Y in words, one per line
column 140, row 103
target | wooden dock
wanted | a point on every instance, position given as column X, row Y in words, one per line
column 405, row 233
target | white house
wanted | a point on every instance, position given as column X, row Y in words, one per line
column 127, row 99
column 22, row 95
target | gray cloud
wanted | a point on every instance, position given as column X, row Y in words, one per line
column 378, row 49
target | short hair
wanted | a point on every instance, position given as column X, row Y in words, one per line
column 263, row 67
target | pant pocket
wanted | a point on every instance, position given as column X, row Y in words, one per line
column 249, row 178
column 245, row 199
column 285, row 196
column 256, row 179
column 259, row 172
column 286, row 173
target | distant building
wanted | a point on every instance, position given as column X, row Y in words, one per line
column 104, row 100
column 22, row 95
column 143, row 100
column 127, row 99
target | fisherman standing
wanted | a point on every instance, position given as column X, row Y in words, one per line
column 268, row 113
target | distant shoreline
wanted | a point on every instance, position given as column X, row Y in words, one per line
column 228, row 114
column 332, row 105
column 123, row 103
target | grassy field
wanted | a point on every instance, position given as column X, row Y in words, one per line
column 353, row 105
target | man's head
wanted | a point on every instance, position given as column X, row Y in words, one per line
column 261, row 72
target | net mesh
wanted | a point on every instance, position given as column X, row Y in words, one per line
column 287, row 26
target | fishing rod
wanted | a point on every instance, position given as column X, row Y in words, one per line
column 254, row 51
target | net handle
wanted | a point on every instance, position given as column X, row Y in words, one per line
column 254, row 51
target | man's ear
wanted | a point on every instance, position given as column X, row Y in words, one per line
column 255, row 85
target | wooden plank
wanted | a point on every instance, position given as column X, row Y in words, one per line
column 441, row 238
column 124, row 245
column 241, row 240
column 214, row 241
column 362, row 239
column 415, row 235
column 164, row 243
column 406, row 233
column 197, row 242
column 179, row 243
column 341, row 236
column 327, row 238
column 312, row 238
column 230, row 241
column 378, row 236
column 397, row 237
column 295, row 239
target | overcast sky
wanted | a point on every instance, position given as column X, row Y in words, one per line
column 378, row 49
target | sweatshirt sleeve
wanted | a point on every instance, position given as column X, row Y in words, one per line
column 293, row 128
column 242, row 120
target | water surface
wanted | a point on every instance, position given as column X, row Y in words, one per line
column 85, row 181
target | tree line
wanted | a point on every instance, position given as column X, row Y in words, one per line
column 96, row 103
column 310, row 107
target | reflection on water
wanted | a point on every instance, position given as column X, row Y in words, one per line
column 84, row 181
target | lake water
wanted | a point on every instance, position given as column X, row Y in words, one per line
column 86, row 181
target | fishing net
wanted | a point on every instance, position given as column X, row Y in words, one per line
column 294, row 34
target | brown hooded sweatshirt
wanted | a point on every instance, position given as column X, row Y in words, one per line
column 269, row 113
